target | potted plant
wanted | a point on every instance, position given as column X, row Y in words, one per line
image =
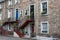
column 28, row 16
column 32, row 13
column 26, row 12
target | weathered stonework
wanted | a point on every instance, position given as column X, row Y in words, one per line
column 53, row 16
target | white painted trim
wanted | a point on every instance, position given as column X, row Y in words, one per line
column 14, row 14
column 22, row 13
column 9, row 13
column 41, row 6
column 15, row 34
column 9, row 2
column 16, row 1
column 47, row 27
column 1, row 15
column 0, row 6
column 8, row 28
column 19, row 1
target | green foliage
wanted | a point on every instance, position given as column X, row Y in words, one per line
column 28, row 16
column 32, row 13
column 43, row 12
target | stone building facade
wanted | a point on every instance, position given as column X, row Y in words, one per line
column 46, row 14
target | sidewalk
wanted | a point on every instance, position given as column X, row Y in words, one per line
column 10, row 38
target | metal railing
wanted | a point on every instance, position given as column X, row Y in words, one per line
column 23, row 19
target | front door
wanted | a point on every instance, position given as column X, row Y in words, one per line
column 32, row 17
column 32, row 11
column 16, row 14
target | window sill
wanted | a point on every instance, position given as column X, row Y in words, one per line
column 44, row 33
column 44, row 14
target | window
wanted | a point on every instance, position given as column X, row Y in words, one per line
column 9, row 28
column 44, row 7
column 9, row 13
column 16, row 14
column 26, row 12
column 9, row 2
column 0, row 6
column 44, row 27
column 22, row 13
column 32, row 11
column 0, row 15
column 16, row 1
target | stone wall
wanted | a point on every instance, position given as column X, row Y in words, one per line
column 53, row 16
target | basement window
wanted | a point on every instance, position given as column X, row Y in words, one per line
column 44, row 27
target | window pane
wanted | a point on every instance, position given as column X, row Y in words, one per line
column 16, row 1
column 9, row 13
column 44, row 5
column 0, row 15
column 10, row 2
column 44, row 27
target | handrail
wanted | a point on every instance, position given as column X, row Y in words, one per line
column 23, row 19
column 21, row 22
column 19, row 33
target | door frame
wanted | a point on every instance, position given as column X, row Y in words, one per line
column 29, row 8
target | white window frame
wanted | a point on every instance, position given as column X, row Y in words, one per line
column 16, row 1
column 1, row 16
column 9, row 2
column 8, row 28
column 42, row 7
column 47, row 27
column 9, row 13
column 15, row 14
column 21, row 13
column 0, row 6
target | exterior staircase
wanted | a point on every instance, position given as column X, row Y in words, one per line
column 23, row 24
column 19, row 33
